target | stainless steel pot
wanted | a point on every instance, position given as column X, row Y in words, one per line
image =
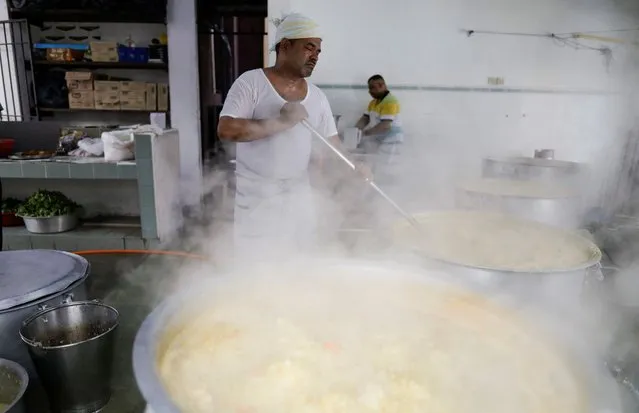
column 13, row 384
column 565, row 291
column 524, row 168
column 560, row 211
column 562, row 286
column 151, row 337
column 29, row 282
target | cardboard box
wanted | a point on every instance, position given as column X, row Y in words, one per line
column 151, row 96
column 79, row 80
column 81, row 99
column 163, row 97
column 107, row 100
column 133, row 100
column 104, row 58
column 104, row 51
column 133, row 86
column 104, row 47
column 106, row 86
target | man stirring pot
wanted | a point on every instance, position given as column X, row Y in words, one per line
column 274, row 208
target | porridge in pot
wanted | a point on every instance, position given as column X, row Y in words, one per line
column 496, row 241
column 324, row 343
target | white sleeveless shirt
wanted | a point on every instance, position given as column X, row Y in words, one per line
column 284, row 155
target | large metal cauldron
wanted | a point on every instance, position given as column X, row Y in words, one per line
column 523, row 168
column 151, row 339
column 29, row 282
column 13, row 384
column 561, row 288
column 552, row 208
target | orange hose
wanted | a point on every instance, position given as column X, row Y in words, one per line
column 142, row 252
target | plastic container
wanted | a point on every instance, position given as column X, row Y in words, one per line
column 133, row 54
column 6, row 147
column 9, row 219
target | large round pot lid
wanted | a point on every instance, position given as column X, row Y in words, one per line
column 29, row 275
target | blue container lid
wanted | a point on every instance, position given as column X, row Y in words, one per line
column 74, row 46
column 29, row 275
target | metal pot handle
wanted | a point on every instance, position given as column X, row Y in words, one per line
column 594, row 274
column 592, row 282
column 67, row 298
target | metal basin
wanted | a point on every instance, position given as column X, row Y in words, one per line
column 13, row 384
column 51, row 225
column 72, row 348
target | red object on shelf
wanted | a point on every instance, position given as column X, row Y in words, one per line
column 11, row 220
column 6, row 147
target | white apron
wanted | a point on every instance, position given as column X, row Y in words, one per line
column 274, row 218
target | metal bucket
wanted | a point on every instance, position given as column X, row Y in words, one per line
column 72, row 348
column 31, row 281
column 13, row 383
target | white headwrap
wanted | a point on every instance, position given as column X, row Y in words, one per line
column 295, row 26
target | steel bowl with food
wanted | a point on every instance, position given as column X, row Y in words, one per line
column 502, row 253
column 355, row 337
column 13, row 384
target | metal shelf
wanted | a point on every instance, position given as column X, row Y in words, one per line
column 103, row 65
column 93, row 16
column 42, row 109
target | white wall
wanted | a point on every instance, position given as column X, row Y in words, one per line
column 553, row 97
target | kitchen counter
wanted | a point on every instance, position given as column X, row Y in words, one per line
column 108, row 189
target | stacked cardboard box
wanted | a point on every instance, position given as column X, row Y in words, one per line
column 151, row 96
column 107, row 95
column 133, row 95
column 80, row 85
column 86, row 92
column 163, row 97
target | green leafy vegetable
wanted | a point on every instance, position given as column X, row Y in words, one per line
column 9, row 205
column 44, row 204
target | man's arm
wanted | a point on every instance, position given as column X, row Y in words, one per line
column 247, row 130
column 363, row 121
column 235, row 123
column 381, row 128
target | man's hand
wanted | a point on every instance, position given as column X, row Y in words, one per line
column 293, row 113
column 364, row 171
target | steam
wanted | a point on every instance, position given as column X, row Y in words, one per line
column 353, row 220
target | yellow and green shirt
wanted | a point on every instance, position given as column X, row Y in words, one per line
column 386, row 108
